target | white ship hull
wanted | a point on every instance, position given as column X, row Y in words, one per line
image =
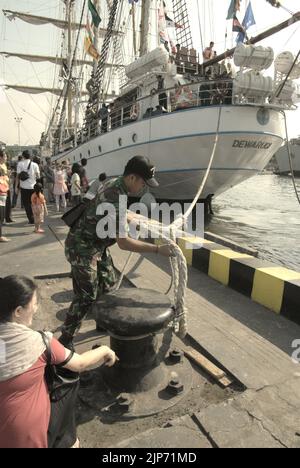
column 180, row 144
column 282, row 159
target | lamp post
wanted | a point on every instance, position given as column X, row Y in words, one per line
column 18, row 122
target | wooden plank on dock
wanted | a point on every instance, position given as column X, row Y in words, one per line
column 217, row 374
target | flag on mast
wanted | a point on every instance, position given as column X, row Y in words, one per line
column 89, row 30
column 95, row 15
column 90, row 48
column 162, row 24
column 237, row 27
column 234, row 6
column 248, row 21
column 89, row 39
column 172, row 23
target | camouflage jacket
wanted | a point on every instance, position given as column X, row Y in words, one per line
column 83, row 242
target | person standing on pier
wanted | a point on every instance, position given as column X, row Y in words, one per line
column 49, row 180
column 92, row 268
column 75, row 185
column 28, row 172
column 8, row 207
column 39, row 208
column 83, row 177
column 3, row 196
column 16, row 185
column 60, row 187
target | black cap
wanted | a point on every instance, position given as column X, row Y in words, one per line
column 102, row 177
column 142, row 166
column 26, row 154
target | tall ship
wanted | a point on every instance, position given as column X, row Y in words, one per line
column 139, row 87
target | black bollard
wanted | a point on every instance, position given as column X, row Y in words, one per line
column 139, row 324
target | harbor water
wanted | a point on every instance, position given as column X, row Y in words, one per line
column 262, row 213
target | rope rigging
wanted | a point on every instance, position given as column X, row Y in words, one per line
column 96, row 81
column 117, row 56
column 278, row 4
column 66, row 89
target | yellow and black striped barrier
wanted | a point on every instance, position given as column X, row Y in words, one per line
column 274, row 287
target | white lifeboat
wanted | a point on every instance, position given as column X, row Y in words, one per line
column 254, row 57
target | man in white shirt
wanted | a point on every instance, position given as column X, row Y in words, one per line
column 26, row 186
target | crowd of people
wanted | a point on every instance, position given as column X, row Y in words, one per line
column 38, row 184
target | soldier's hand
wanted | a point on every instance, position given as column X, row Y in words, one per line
column 166, row 250
column 110, row 358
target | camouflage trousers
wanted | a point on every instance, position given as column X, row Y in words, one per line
column 91, row 278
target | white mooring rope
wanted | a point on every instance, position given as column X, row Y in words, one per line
column 178, row 263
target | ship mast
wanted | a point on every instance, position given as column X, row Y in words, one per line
column 70, row 11
column 134, row 30
column 145, row 27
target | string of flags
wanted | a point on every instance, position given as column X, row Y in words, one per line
column 89, row 40
column 95, row 15
column 235, row 5
column 167, row 28
column 248, row 21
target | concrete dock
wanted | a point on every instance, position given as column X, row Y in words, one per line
column 254, row 346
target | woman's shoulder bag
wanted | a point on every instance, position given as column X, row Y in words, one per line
column 59, row 380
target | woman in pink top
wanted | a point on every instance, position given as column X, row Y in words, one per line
column 26, row 410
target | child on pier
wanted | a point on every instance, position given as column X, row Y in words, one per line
column 60, row 187
column 4, row 187
column 39, row 208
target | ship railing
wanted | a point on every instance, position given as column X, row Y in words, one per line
column 158, row 102
column 203, row 93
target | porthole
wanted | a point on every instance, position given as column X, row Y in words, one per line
column 134, row 137
column 120, row 142
column 100, row 148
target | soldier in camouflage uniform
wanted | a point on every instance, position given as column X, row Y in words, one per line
column 92, row 268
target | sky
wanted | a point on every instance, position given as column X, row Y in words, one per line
column 24, row 38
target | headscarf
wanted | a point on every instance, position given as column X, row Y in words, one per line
column 20, row 348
